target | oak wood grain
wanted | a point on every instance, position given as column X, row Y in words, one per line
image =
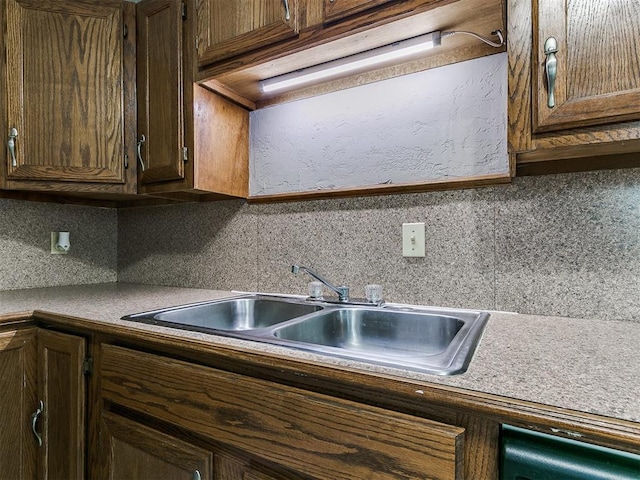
column 598, row 89
column 221, row 144
column 359, row 33
column 215, row 131
column 598, row 65
column 68, row 80
column 65, row 90
column 337, row 9
column 320, row 436
column 18, row 401
column 133, row 450
column 228, row 27
column 159, row 80
column 61, row 386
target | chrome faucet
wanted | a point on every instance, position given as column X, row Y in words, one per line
column 342, row 291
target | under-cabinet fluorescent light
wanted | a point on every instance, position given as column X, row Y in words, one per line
column 352, row 63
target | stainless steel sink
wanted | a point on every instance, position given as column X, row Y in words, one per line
column 431, row 340
column 232, row 314
column 434, row 341
column 376, row 332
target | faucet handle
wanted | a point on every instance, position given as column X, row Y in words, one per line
column 315, row 289
column 373, row 293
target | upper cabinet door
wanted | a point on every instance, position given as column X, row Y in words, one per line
column 65, row 90
column 336, row 9
column 595, row 61
column 159, row 79
column 229, row 27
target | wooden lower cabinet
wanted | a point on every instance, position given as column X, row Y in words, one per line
column 132, row 450
column 18, row 354
column 41, row 366
column 298, row 433
column 61, row 387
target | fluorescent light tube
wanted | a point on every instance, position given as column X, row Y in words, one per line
column 359, row 61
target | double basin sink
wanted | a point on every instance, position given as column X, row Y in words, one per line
column 430, row 340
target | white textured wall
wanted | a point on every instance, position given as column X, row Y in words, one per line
column 443, row 123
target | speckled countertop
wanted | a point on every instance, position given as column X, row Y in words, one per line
column 580, row 364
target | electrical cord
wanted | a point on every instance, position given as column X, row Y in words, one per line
column 497, row 33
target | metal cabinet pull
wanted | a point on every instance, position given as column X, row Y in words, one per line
column 287, row 13
column 140, row 142
column 196, row 475
column 13, row 134
column 551, row 68
column 34, row 420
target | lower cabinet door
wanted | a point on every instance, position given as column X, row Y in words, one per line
column 61, row 389
column 18, row 447
column 132, row 450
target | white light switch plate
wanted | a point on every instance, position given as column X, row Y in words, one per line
column 413, row 239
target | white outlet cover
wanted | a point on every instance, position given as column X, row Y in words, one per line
column 413, row 240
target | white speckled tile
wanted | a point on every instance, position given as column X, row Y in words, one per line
column 357, row 243
column 209, row 245
column 25, row 244
column 570, row 245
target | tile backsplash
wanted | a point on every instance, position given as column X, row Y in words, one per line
column 553, row 245
column 25, row 245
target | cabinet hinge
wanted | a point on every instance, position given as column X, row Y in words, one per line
column 125, row 31
column 126, row 161
column 184, row 11
column 185, row 154
column 87, row 366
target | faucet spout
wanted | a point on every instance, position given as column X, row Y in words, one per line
column 341, row 291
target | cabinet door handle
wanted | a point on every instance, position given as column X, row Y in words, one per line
column 34, row 420
column 13, row 134
column 142, row 140
column 551, row 68
column 287, row 12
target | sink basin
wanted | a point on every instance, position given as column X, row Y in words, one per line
column 436, row 341
column 430, row 340
column 231, row 314
column 379, row 332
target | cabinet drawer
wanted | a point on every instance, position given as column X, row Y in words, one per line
column 322, row 436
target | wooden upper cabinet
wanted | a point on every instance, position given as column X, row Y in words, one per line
column 228, row 27
column 594, row 120
column 64, row 90
column 159, row 78
column 597, row 63
column 337, row 9
column 190, row 140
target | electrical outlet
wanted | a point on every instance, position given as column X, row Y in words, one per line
column 59, row 243
column 413, row 240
